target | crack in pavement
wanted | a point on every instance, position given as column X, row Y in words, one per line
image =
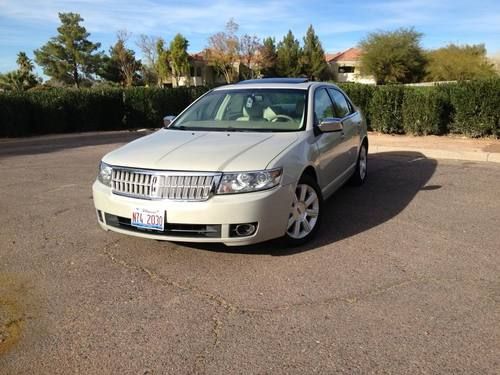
column 230, row 308
column 214, row 299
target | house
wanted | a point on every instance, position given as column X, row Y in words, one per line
column 346, row 66
column 201, row 73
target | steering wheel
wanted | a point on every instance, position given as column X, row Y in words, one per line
column 282, row 117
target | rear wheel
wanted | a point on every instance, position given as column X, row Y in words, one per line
column 359, row 176
column 306, row 212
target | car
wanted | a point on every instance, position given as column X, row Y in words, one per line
column 244, row 163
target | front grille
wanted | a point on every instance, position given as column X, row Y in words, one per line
column 173, row 230
column 145, row 184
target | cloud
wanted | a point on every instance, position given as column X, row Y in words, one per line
column 146, row 16
column 27, row 24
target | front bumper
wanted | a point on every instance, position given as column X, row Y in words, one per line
column 269, row 209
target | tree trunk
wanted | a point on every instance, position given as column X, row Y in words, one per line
column 75, row 76
column 227, row 76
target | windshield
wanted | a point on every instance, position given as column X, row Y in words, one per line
column 246, row 110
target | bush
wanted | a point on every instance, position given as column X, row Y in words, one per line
column 386, row 109
column 70, row 110
column 147, row 107
column 361, row 95
column 476, row 108
column 470, row 108
column 15, row 115
column 425, row 111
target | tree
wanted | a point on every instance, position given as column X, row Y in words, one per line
column 393, row 56
column 288, row 56
column 249, row 49
column 126, row 60
column 122, row 65
column 24, row 63
column 149, row 47
column 70, row 57
column 455, row 62
column 268, row 57
column 109, row 69
column 313, row 56
column 21, row 79
column 162, row 66
column 222, row 51
column 179, row 58
column 495, row 59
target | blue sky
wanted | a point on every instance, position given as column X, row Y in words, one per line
column 27, row 24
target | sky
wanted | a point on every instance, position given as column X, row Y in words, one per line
column 27, row 24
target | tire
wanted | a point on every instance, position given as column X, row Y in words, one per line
column 306, row 212
column 359, row 176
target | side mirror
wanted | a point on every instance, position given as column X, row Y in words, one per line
column 167, row 120
column 331, row 124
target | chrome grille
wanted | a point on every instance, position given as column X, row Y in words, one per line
column 144, row 184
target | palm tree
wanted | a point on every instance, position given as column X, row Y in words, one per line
column 25, row 65
column 22, row 78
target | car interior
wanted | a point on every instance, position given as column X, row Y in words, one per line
column 250, row 109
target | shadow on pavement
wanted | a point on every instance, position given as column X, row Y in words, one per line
column 393, row 181
column 46, row 144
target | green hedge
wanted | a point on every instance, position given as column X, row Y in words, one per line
column 145, row 107
column 469, row 108
column 425, row 111
column 70, row 110
column 386, row 108
column 475, row 108
column 361, row 95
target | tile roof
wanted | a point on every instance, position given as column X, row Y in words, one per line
column 351, row 54
column 200, row 56
column 331, row 56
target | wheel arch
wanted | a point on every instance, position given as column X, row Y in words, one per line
column 364, row 141
column 311, row 172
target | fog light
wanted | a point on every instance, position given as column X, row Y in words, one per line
column 242, row 230
column 99, row 216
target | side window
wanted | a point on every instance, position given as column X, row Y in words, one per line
column 342, row 107
column 323, row 106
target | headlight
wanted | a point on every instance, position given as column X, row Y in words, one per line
column 244, row 182
column 105, row 174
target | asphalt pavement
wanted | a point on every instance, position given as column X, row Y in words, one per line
column 404, row 277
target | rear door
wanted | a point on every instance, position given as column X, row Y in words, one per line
column 351, row 120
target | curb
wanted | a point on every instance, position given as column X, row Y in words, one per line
column 492, row 157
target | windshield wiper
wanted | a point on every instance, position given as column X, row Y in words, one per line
column 182, row 127
column 231, row 129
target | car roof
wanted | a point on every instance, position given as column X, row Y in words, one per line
column 274, row 83
column 275, row 80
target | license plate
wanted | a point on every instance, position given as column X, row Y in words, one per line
column 146, row 218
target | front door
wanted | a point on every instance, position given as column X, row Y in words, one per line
column 333, row 160
column 351, row 119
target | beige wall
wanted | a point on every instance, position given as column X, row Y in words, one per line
column 350, row 77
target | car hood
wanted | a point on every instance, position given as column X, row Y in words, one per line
column 183, row 150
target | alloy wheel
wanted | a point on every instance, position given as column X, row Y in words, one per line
column 304, row 214
column 363, row 162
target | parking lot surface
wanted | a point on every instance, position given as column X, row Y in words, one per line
column 404, row 277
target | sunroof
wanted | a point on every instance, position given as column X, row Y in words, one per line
column 276, row 80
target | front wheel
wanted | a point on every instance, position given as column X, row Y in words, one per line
column 306, row 212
